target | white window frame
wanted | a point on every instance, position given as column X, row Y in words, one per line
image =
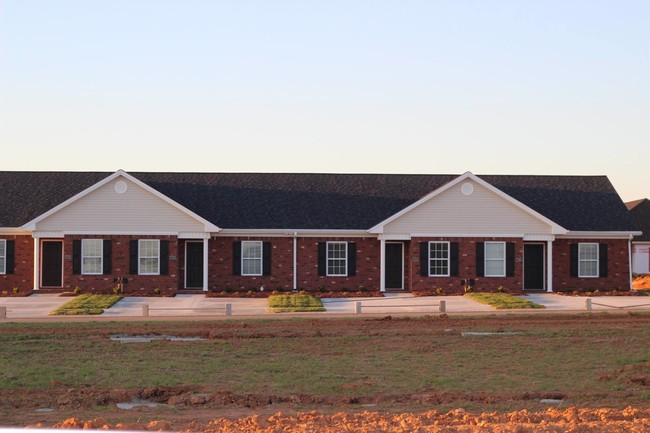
column 84, row 256
column 329, row 259
column 3, row 256
column 486, row 259
column 252, row 259
column 141, row 256
column 437, row 259
column 581, row 260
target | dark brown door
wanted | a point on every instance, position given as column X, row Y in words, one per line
column 52, row 264
column 533, row 267
column 394, row 262
column 194, row 265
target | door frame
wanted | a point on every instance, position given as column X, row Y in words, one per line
column 544, row 274
column 192, row 241
column 42, row 251
column 402, row 266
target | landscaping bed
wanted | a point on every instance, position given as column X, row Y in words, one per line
column 86, row 304
column 294, row 303
column 502, row 301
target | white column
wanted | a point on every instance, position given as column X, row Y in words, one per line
column 629, row 258
column 549, row 266
column 295, row 261
column 206, row 251
column 37, row 263
column 382, row 265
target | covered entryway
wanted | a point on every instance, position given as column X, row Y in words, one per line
column 533, row 266
column 194, row 265
column 52, row 264
column 394, row 269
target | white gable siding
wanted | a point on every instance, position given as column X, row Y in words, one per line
column 481, row 212
column 105, row 210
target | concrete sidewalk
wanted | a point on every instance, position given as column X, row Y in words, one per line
column 198, row 307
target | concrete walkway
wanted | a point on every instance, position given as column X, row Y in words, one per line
column 198, row 307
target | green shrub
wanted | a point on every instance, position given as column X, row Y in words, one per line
column 294, row 303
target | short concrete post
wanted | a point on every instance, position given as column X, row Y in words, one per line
column 228, row 309
column 588, row 304
column 442, row 306
column 145, row 310
column 357, row 307
column 3, row 312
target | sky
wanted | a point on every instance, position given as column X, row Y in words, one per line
column 405, row 86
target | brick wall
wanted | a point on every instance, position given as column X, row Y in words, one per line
column 618, row 269
column 23, row 275
column 120, row 268
column 466, row 267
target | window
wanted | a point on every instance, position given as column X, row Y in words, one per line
column 495, row 259
column 438, row 259
column 337, row 259
column 149, row 257
column 251, row 258
column 3, row 256
column 91, row 256
column 587, row 260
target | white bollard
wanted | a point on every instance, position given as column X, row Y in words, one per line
column 3, row 312
column 588, row 304
column 443, row 306
column 228, row 309
column 145, row 310
column 357, row 307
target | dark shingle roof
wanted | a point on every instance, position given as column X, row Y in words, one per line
column 640, row 211
column 319, row 201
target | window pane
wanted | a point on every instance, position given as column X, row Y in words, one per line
column 92, row 265
column 251, row 250
column 337, row 253
column 587, row 260
column 149, row 257
column 494, row 250
column 91, row 256
column 3, row 247
column 438, row 258
column 494, row 268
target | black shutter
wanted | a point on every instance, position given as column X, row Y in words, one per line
column 322, row 258
column 164, row 257
column 266, row 258
column 76, row 256
column 602, row 258
column 352, row 259
column 10, row 257
column 510, row 259
column 424, row 259
column 133, row 256
column 480, row 259
column 573, row 257
column 453, row 259
column 236, row 258
column 108, row 257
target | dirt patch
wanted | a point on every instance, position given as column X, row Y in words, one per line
column 575, row 420
column 641, row 282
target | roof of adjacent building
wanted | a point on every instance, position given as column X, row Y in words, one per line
column 319, row 201
column 640, row 211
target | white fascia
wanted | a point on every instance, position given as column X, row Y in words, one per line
column 555, row 228
column 292, row 232
column 598, row 235
column 209, row 227
column 14, row 231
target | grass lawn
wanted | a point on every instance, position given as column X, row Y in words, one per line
column 502, row 301
column 86, row 304
column 294, row 303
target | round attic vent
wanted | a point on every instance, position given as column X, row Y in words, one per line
column 120, row 187
column 467, row 188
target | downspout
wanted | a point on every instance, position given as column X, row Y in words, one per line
column 295, row 260
column 629, row 258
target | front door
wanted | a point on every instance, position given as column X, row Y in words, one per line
column 533, row 266
column 394, row 273
column 194, row 265
column 52, row 264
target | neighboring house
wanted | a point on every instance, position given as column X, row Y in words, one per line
column 242, row 231
column 640, row 211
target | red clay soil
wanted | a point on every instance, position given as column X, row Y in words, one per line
column 642, row 282
column 629, row 420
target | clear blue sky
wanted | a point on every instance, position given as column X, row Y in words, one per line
column 404, row 86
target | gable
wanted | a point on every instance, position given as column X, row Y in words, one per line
column 119, row 205
column 468, row 207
